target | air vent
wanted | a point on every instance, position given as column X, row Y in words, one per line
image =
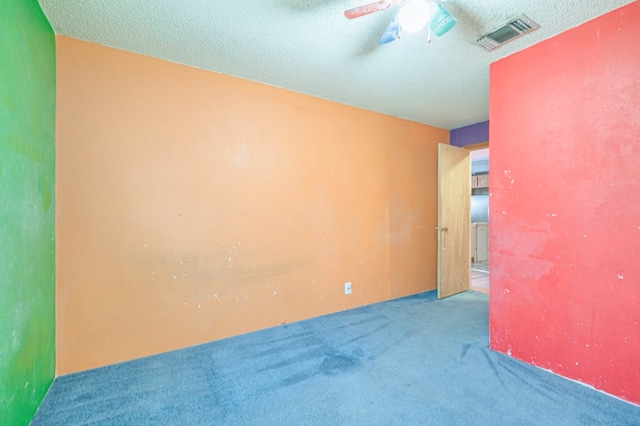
column 510, row 31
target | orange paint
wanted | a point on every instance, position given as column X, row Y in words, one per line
column 194, row 206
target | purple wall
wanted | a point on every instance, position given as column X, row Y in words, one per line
column 470, row 135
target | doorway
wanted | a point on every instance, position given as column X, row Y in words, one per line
column 479, row 232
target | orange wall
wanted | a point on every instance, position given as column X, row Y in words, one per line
column 194, row 206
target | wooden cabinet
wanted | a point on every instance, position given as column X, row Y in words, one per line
column 480, row 181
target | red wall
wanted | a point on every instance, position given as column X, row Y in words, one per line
column 565, row 209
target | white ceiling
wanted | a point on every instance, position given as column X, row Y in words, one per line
column 309, row 46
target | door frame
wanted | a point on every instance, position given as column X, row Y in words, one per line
column 477, row 147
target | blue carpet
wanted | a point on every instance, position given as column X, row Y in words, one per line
column 411, row 361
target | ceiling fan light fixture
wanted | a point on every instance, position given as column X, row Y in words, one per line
column 414, row 15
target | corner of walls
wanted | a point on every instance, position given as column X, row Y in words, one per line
column 27, row 210
column 565, row 217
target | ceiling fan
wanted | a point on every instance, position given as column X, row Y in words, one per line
column 412, row 17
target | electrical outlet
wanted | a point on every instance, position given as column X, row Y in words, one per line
column 347, row 288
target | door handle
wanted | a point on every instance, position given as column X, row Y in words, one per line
column 444, row 238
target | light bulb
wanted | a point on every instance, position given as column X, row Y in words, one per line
column 414, row 15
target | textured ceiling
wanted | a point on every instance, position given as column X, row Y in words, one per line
column 308, row 46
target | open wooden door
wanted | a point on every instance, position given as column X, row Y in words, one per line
column 454, row 220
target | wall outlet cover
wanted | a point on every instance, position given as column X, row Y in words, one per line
column 347, row 288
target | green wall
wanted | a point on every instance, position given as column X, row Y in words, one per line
column 27, row 210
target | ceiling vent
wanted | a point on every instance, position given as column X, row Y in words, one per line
column 512, row 30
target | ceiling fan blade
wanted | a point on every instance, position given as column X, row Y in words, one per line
column 442, row 21
column 359, row 11
column 392, row 33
